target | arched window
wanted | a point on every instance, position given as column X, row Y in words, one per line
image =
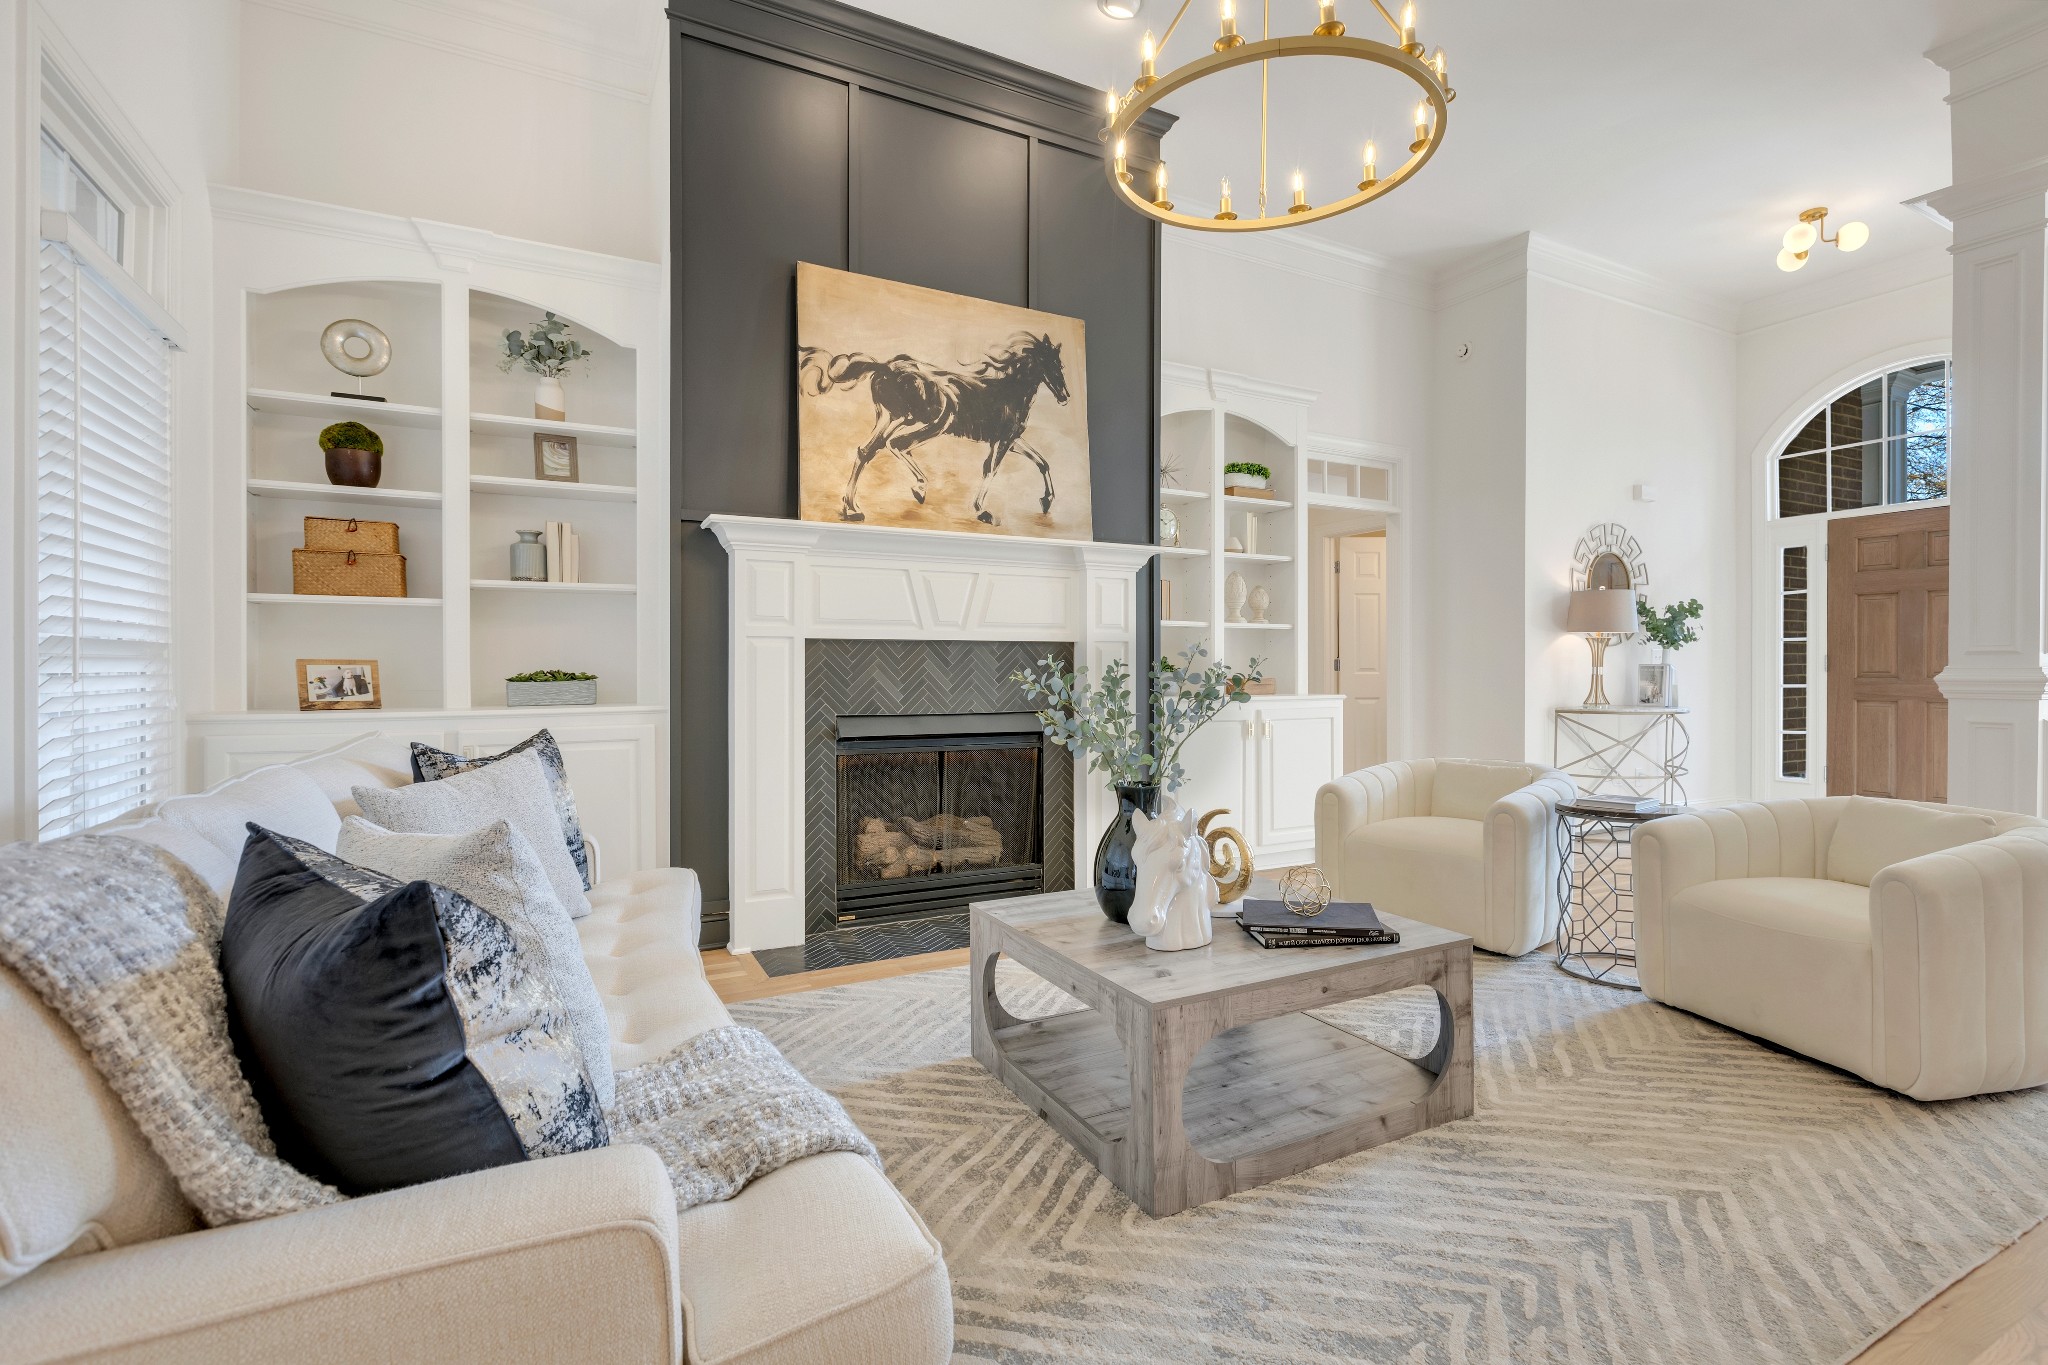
column 1883, row 440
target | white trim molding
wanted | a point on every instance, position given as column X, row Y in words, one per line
column 793, row 581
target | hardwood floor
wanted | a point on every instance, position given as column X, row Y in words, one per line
column 1995, row 1315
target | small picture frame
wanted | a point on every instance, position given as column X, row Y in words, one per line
column 1653, row 685
column 339, row 685
column 554, row 457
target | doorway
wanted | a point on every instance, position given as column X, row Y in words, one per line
column 1887, row 624
column 1349, row 642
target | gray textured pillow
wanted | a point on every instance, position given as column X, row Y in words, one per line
column 497, row 869
column 514, row 790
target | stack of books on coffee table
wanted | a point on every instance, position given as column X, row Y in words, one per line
column 1342, row 924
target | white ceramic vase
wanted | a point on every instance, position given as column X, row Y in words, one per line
column 550, row 404
column 1234, row 593
column 1670, row 662
column 1175, row 896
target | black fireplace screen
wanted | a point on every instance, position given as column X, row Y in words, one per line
column 932, row 822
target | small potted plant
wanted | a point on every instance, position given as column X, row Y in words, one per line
column 1670, row 630
column 1098, row 723
column 551, row 687
column 355, row 455
column 1242, row 474
column 548, row 351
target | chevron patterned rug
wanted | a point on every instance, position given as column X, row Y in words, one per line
column 1638, row 1185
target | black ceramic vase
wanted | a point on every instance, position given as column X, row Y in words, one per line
column 1116, row 863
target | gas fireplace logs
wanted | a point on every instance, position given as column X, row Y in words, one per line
column 903, row 847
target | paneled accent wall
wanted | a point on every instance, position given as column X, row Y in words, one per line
column 808, row 131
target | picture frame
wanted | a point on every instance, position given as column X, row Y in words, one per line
column 554, row 458
column 1653, row 685
column 339, row 685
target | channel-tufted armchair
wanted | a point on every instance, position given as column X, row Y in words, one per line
column 1907, row 943
column 1464, row 845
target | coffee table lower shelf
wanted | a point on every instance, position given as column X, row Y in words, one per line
column 1255, row 1090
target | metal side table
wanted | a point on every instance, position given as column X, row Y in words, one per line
column 1596, row 915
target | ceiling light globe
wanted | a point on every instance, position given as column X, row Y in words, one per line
column 1852, row 236
column 1120, row 9
column 1800, row 237
column 1788, row 261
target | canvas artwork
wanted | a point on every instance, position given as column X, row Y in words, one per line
column 926, row 409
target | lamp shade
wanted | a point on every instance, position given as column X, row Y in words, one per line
column 1601, row 611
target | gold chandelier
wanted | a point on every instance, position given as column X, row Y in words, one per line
column 1231, row 49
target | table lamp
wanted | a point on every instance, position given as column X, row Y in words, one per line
column 1602, row 615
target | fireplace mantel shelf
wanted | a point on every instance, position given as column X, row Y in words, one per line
column 797, row 581
column 903, row 543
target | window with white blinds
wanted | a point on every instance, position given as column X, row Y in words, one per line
column 105, row 719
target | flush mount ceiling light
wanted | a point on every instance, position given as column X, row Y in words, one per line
column 1232, row 49
column 1120, row 9
column 1812, row 228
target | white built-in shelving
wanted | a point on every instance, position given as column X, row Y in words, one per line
column 327, row 492
column 554, row 492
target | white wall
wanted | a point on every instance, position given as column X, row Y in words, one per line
column 161, row 77
column 540, row 129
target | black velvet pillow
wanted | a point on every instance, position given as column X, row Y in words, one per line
column 391, row 1031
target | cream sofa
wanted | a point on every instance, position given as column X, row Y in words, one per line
column 1907, row 943
column 572, row 1258
column 1463, row 845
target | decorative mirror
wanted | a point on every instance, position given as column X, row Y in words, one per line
column 1607, row 556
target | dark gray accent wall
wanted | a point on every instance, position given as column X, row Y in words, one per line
column 804, row 130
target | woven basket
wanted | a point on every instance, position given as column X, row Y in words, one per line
column 347, row 533
column 347, row 573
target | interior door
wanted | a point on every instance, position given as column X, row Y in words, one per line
column 1362, row 647
column 1887, row 638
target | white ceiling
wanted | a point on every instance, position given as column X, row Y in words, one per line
column 1678, row 137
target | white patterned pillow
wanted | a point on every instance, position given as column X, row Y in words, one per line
column 431, row 765
column 497, row 868
column 513, row 789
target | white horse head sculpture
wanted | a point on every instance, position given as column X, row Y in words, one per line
column 1175, row 895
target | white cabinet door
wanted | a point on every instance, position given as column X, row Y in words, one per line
column 1298, row 748
column 1214, row 759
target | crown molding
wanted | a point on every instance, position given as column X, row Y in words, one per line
column 452, row 247
column 2008, row 36
column 1350, row 447
column 1845, row 288
column 535, row 42
column 1315, row 258
column 1484, row 271
column 1568, row 265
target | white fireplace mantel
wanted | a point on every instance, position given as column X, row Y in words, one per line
column 794, row 581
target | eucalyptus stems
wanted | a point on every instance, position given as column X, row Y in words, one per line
column 548, row 350
column 1098, row 722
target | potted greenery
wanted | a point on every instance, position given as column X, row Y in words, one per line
column 1670, row 630
column 1098, row 723
column 548, row 351
column 551, row 687
column 355, row 455
column 1245, row 474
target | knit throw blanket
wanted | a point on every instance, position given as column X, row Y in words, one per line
column 122, row 942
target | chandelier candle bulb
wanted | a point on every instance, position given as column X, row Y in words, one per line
column 1329, row 26
column 1408, row 43
column 1372, row 174
column 1300, row 204
column 1223, row 210
column 1123, row 170
column 1148, row 60
column 1159, row 199
column 1421, row 127
column 1230, row 37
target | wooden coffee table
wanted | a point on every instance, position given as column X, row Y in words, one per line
column 1193, row 1075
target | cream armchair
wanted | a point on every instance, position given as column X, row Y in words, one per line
column 1906, row 943
column 1466, row 846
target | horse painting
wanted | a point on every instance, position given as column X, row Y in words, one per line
column 856, row 405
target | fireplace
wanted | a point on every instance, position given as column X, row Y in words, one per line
column 935, row 811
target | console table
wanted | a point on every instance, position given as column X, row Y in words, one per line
column 1624, row 750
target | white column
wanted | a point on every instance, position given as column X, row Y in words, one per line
column 1995, row 680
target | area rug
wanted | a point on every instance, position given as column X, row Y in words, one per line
column 1637, row 1185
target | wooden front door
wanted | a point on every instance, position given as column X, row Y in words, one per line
column 1887, row 638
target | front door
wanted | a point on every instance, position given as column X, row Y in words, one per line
column 1887, row 638
column 1362, row 647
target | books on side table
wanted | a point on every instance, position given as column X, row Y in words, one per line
column 1342, row 924
column 1619, row 805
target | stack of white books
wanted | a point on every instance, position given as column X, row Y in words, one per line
column 1620, row 805
column 565, row 553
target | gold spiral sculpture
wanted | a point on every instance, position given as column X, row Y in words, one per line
column 1231, row 49
column 1230, row 857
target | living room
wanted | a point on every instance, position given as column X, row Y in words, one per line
column 977, row 524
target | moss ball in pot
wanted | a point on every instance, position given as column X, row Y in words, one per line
column 355, row 455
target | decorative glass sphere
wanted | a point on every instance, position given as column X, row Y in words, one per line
column 1304, row 891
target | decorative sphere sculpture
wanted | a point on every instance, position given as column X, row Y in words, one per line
column 1304, row 891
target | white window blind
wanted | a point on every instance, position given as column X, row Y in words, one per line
column 105, row 731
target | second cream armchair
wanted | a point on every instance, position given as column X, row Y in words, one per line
column 1464, row 845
